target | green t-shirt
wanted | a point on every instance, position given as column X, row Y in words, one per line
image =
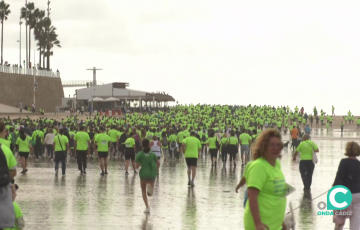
column 130, row 142
column 180, row 136
column 18, row 214
column 63, row 139
column 5, row 142
column 148, row 162
column 306, row 149
column 81, row 139
column 212, row 142
column 24, row 144
column 270, row 181
column 233, row 141
column 192, row 147
column 11, row 161
column 102, row 141
column 245, row 139
column 113, row 135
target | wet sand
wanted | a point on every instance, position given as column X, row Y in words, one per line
column 115, row 201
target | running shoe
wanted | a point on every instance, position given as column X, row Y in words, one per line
column 81, row 173
column 22, row 172
column 84, row 172
column 106, row 172
column 56, row 172
column 102, row 174
column 63, row 175
column 25, row 171
column 126, row 173
column 147, row 210
column 192, row 184
column 189, row 183
column 149, row 189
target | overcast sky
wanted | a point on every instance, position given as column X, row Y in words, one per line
column 303, row 53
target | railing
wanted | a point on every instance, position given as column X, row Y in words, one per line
column 32, row 72
column 79, row 83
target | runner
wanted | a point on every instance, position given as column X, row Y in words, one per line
column 102, row 144
column 49, row 142
column 223, row 146
column 149, row 164
column 155, row 146
column 233, row 147
column 245, row 141
column 212, row 144
column 191, row 147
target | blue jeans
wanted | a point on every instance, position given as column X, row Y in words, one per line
column 245, row 197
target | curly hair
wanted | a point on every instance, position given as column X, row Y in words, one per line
column 352, row 149
column 260, row 146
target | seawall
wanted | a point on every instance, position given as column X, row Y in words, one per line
column 15, row 88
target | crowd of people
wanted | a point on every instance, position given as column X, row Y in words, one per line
column 254, row 133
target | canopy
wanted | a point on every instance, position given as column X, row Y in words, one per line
column 112, row 99
column 96, row 99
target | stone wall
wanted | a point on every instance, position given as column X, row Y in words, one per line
column 15, row 88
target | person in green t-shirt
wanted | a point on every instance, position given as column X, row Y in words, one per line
column 212, row 140
column 245, row 141
column 24, row 146
column 233, row 147
column 102, row 144
column 265, row 208
column 130, row 150
column 150, row 164
column 61, row 146
column 191, row 147
column 306, row 165
column 81, row 146
column 223, row 147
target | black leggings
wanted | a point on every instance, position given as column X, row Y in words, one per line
column 306, row 168
column 224, row 155
column 81, row 159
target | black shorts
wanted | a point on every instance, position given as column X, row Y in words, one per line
column 129, row 154
column 24, row 154
column 122, row 148
column 114, row 144
column 103, row 154
column 191, row 162
column 213, row 153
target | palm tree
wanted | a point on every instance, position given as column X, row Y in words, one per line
column 30, row 20
column 4, row 13
column 39, row 32
column 51, row 41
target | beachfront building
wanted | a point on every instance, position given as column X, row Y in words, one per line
column 117, row 95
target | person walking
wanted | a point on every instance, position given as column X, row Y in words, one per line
column 130, row 150
column 61, row 147
column 149, row 164
column 306, row 165
column 223, row 147
column 265, row 207
column 233, row 147
column 348, row 175
column 191, row 147
column 24, row 146
column 294, row 135
column 49, row 141
column 38, row 139
column 81, row 144
column 245, row 141
column 102, row 144
column 212, row 145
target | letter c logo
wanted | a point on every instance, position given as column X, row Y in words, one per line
column 332, row 197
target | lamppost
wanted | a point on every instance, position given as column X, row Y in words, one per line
column 26, row 19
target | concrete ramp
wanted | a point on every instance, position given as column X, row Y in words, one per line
column 10, row 109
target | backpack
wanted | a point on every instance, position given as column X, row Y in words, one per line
column 203, row 138
column 137, row 138
column 173, row 144
column 164, row 141
column 122, row 138
column 71, row 141
column 217, row 143
column 37, row 139
column 4, row 170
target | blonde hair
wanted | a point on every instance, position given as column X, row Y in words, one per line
column 352, row 149
column 260, row 146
